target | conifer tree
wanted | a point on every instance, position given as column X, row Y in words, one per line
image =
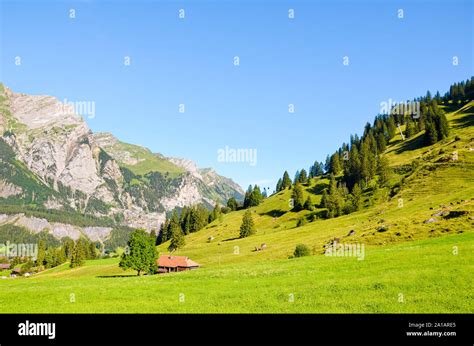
column 303, row 177
column 232, row 204
column 286, row 182
column 40, row 258
column 308, row 204
column 298, row 198
column 335, row 165
column 431, row 135
column 247, row 227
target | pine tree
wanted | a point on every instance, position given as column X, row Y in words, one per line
column 297, row 177
column 216, row 212
column 68, row 247
column 286, row 182
column 324, row 200
column 383, row 170
column 40, row 258
column 303, row 177
column 410, row 128
column 248, row 227
column 365, row 162
column 381, row 142
column 308, row 204
column 232, row 204
column 431, row 135
column 335, row 165
column 177, row 240
column 78, row 254
column 298, row 198
column 443, row 130
column 356, row 197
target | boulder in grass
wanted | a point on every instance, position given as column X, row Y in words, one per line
column 431, row 220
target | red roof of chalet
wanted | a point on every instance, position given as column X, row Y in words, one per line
column 176, row 261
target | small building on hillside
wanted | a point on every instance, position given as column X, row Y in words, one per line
column 168, row 263
column 4, row 266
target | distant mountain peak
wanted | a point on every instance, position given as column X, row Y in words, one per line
column 63, row 165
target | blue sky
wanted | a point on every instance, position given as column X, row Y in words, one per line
column 190, row 61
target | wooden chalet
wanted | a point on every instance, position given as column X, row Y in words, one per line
column 168, row 263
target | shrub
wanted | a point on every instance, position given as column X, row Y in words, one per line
column 301, row 222
column 301, row 250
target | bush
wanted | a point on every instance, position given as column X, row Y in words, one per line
column 301, row 250
column 301, row 222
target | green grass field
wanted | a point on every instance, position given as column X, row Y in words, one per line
column 410, row 266
column 422, row 276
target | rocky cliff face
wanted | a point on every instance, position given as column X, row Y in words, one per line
column 50, row 158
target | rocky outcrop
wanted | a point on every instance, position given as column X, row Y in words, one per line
column 57, row 229
column 7, row 189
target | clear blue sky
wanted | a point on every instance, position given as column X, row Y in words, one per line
column 190, row 61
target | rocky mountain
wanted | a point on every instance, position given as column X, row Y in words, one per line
column 52, row 163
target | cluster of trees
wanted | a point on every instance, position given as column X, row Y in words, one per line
column 74, row 251
column 459, row 92
column 316, row 169
column 299, row 203
column 190, row 220
column 53, row 253
column 436, row 124
column 337, row 199
column 284, row 183
column 79, row 251
column 253, row 196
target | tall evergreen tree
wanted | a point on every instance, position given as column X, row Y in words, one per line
column 298, row 198
column 303, row 178
column 431, row 135
column 286, row 182
column 308, row 204
column 247, row 227
column 335, row 165
column 40, row 258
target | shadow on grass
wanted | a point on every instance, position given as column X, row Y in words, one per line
column 230, row 239
column 274, row 213
column 318, row 188
column 116, row 276
column 411, row 144
column 465, row 121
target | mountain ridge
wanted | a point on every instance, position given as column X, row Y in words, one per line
column 53, row 160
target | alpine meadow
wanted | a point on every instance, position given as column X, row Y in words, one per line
column 385, row 225
column 299, row 159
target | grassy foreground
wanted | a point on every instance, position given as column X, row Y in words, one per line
column 419, row 256
column 422, row 276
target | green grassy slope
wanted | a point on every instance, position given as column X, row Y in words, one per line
column 146, row 161
column 409, row 265
column 434, row 183
column 405, row 278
